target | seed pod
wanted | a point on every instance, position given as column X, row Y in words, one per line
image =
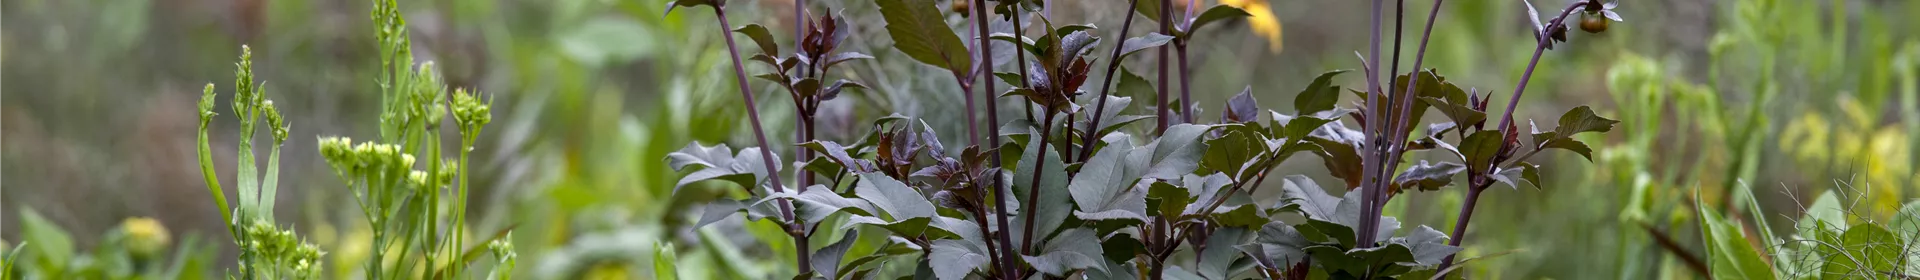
column 1593, row 23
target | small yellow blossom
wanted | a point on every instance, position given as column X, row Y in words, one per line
column 1263, row 21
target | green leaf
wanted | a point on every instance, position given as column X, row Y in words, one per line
column 1216, row 262
column 1526, row 171
column 1055, row 203
column 893, row 197
column 1282, row 244
column 53, row 247
column 1104, row 187
column 1581, row 119
column 718, row 163
column 1729, row 254
column 1167, row 200
column 1075, row 249
column 827, row 259
column 760, row 37
column 919, row 30
column 1907, row 221
column 1216, row 13
column 1571, row 145
column 1340, row 147
column 1429, row 246
column 838, row 58
column 1320, row 95
column 1480, row 148
column 718, row 210
column 1428, row 177
column 1825, row 213
column 1300, row 192
column 1230, row 154
column 1459, row 113
column 1867, row 251
column 954, row 259
column 663, row 261
column 1144, row 42
column 1177, row 152
column 819, row 201
column 1240, row 216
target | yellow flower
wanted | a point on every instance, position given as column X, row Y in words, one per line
column 145, row 236
column 1263, row 22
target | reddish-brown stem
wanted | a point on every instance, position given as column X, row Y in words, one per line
column 1186, row 83
column 1375, row 133
column 1396, row 145
column 1460, row 226
column 1166, row 27
column 766, row 151
column 1113, row 67
column 1000, row 202
column 1034, row 189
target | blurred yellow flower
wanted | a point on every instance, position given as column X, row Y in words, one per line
column 1263, row 22
column 145, row 236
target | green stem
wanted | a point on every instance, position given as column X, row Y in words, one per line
column 213, row 181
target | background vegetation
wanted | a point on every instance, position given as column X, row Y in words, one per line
column 1785, row 100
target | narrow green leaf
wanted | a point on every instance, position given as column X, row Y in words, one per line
column 919, row 30
column 663, row 261
column 1729, row 254
column 53, row 245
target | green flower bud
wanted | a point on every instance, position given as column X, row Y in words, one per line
column 469, row 111
column 206, row 105
column 448, row 170
column 419, row 179
column 275, row 121
column 243, row 95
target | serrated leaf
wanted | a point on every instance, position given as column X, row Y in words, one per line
column 954, row 259
column 827, row 259
column 919, row 30
column 1217, row 13
column 718, row 210
column 1302, row 193
column 745, row 170
column 818, row 202
column 1480, row 148
column 1055, row 203
column 1075, row 249
column 1230, row 154
column 1216, row 262
column 1581, row 119
column 1177, row 152
column 1104, row 187
column 1320, row 95
column 760, row 36
column 1144, row 42
column 1460, row 114
column 1428, row 177
column 1429, row 246
column 1168, row 200
column 893, row 197
column 1571, row 145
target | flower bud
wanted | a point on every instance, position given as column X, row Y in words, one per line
column 206, row 105
column 469, row 111
column 145, row 236
column 275, row 122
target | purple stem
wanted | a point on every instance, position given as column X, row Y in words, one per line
column 1166, row 27
column 1000, row 202
column 766, row 152
column 1376, row 133
column 1396, row 147
column 1113, row 67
